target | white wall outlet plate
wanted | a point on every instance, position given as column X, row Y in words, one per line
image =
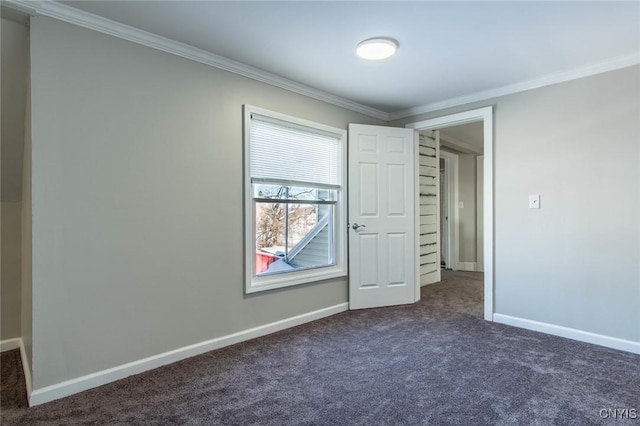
column 534, row 201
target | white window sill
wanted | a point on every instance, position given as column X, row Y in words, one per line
column 288, row 279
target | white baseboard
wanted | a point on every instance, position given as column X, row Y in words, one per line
column 570, row 333
column 26, row 368
column 70, row 387
column 10, row 344
column 466, row 266
column 17, row 343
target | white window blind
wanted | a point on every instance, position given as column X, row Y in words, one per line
column 293, row 153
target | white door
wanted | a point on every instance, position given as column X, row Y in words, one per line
column 382, row 217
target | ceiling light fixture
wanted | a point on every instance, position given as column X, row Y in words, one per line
column 377, row 48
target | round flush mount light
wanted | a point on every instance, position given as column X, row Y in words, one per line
column 377, row 48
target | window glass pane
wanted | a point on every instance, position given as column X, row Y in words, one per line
column 293, row 236
column 302, row 218
column 281, row 192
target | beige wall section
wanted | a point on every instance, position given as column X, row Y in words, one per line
column 574, row 262
column 14, row 75
column 14, row 50
column 467, row 214
column 137, row 202
column 10, row 288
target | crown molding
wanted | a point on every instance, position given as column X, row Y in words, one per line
column 548, row 80
column 97, row 23
column 28, row 7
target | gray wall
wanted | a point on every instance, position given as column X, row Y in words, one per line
column 137, row 202
column 467, row 214
column 576, row 261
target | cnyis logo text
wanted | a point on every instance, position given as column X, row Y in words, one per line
column 618, row 413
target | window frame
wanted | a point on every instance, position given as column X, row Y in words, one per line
column 255, row 283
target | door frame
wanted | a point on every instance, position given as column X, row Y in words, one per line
column 453, row 197
column 486, row 116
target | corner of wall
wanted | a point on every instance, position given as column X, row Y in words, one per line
column 26, row 347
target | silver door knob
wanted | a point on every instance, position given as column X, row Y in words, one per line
column 355, row 226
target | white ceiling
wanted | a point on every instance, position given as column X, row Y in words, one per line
column 447, row 50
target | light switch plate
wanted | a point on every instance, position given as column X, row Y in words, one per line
column 534, row 201
column 461, row 204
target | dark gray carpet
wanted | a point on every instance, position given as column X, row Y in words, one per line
column 13, row 393
column 435, row 362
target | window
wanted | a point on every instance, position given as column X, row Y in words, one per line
column 295, row 222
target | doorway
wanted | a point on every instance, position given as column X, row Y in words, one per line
column 460, row 148
column 484, row 115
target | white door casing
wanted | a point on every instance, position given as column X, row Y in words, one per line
column 382, row 234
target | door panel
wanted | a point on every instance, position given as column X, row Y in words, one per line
column 368, row 261
column 382, row 234
column 395, row 199
column 369, row 190
column 397, row 245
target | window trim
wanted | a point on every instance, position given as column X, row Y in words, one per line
column 254, row 283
